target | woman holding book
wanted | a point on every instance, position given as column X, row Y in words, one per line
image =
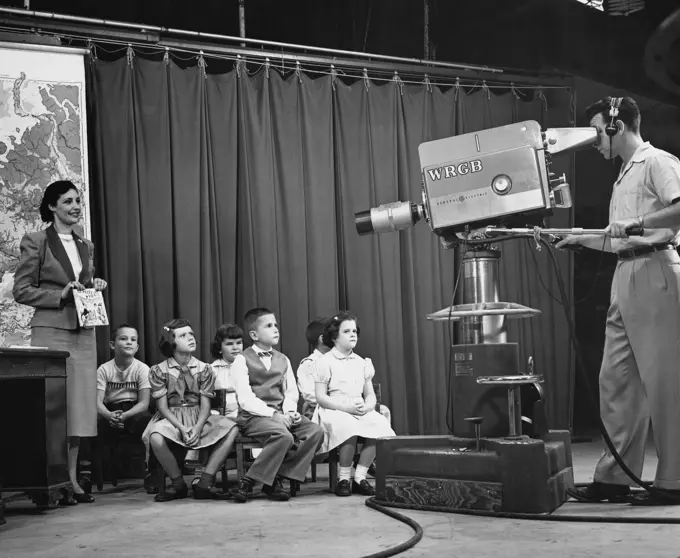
column 53, row 263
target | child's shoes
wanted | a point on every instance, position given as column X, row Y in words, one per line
column 343, row 488
column 364, row 488
column 210, row 493
column 150, row 484
column 243, row 490
column 172, row 493
column 276, row 491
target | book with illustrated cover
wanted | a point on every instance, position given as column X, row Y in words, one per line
column 90, row 308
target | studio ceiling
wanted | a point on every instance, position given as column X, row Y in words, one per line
column 536, row 35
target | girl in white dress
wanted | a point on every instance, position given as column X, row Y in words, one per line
column 346, row 404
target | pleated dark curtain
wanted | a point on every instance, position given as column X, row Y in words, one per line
column 218, row 193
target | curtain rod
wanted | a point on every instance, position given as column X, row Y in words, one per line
column 213, row 36
column 92, row 35
column 433, row 73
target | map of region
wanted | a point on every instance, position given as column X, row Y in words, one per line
column 41, row 135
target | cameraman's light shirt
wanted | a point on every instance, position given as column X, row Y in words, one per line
column 649, row 182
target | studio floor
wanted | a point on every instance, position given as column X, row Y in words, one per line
column 126, row 522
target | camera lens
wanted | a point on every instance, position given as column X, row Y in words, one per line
column 389, row 217
column 363, row 222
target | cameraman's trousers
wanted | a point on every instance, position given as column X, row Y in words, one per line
column 640, row 374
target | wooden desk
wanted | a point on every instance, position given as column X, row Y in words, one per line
column 33, row 413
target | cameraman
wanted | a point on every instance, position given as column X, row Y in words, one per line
column 640, row 373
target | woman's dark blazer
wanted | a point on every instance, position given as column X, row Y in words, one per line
column 44, row 270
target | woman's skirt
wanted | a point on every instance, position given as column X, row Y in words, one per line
column 214, row 429
column 81, row 374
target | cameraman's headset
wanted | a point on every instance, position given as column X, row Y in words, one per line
column 611, row 130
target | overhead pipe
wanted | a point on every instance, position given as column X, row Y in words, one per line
column 80, row 31
column 145, row 39
column 243, row 40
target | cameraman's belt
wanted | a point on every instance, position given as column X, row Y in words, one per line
column 637, row 251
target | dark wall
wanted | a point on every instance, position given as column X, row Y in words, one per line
column 557, row 34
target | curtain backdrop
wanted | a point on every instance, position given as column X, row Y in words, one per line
column 222, row 192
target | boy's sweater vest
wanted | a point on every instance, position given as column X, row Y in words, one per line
column 267, row 385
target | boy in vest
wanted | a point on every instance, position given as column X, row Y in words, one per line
column 268, row 397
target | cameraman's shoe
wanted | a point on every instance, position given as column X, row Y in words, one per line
column 599, row 492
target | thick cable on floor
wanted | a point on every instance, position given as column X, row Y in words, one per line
column 394, row 550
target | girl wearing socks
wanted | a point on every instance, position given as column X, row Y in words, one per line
column 346, row 404
column 183, row 387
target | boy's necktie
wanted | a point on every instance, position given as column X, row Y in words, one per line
column 265, row 354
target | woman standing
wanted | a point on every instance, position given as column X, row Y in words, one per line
column 52, row 263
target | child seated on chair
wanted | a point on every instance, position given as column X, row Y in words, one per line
column 346, row 404
column 305, row 371
column 123, row 390
column 183, row 387
column 305, row 378
column 267, row 398
column 225, row 347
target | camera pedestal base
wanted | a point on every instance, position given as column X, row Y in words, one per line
column 520, row 474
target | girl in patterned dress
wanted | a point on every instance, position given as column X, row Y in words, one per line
column 346, row 404
column 183, row 387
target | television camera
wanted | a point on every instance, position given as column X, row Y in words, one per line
column 495, row 176
column 475, row 188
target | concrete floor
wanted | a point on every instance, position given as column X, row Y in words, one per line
column 126, row 522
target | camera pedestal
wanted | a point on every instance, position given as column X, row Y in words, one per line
column 446, row 473
column 504, row 471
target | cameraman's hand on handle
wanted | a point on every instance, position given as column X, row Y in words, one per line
column 625, row 228
column 571, row 242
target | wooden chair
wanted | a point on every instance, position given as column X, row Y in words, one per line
column 244, row 444
column 110, row 447
column 123, row 452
